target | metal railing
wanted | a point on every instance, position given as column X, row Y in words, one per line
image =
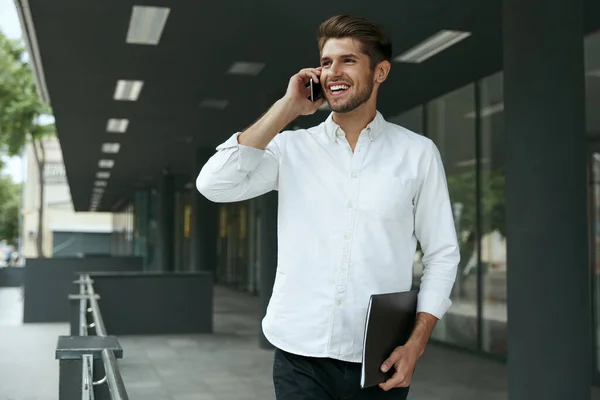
column 88, row 306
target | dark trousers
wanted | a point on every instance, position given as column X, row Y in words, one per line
column 306, row 378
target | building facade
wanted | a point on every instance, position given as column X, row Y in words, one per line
column 65, row 232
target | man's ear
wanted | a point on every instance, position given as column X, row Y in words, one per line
column 382, row 70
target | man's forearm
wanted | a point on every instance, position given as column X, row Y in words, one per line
column 422, row 332
column 260, row 134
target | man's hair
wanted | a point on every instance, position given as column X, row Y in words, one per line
column 374, row 39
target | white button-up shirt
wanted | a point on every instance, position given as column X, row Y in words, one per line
column 348, row 225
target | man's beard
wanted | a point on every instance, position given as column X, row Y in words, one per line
column 361, row 97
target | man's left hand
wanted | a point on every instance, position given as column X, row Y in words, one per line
column 403, row 359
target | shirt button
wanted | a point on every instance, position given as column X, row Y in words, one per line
column 350, row 205
column 347, row 236
column 339, row 302
column 355, row 175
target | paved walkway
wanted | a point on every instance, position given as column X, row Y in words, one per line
column 225, row 366
column 28, row 370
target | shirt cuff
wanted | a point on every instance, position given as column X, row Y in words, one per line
column 231, row 143
column 432, row 303
column 248, row 157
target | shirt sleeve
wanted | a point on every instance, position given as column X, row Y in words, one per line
column 237, row 172
column 434, row 228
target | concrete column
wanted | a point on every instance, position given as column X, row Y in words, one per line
column 166, row 223
column 549, row 328
column 205, row 221
column 268, row 253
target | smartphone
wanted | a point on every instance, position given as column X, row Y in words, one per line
column 316, row 91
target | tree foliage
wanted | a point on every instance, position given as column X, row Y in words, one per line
column 10, row 194
column 20, row 111
column 463, row 190
column 20, row 105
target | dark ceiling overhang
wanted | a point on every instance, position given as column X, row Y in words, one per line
column 78, row 51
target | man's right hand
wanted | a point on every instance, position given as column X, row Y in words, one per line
column 297, row 94
column 294, row 104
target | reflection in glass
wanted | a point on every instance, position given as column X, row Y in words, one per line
column 411, row 119
column 493, row 217
column 452, row 128
column 121, row 238
column 232, row 251
column 592, row 84
column 596, row 249
column 592, row 103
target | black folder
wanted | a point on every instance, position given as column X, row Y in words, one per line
column 390, row 321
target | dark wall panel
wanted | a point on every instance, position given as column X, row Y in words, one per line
column 48, row 283
column 155, row 303
column 72, row 244
column 11, row 276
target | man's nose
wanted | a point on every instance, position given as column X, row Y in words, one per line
column 335, row 71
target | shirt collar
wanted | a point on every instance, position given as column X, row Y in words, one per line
column 374, row 128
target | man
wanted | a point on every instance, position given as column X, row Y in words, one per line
column 355, row 195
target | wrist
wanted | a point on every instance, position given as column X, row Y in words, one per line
column 286, row 107
column 417, row 345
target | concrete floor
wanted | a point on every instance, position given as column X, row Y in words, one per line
column 225, row 366
column 28, row 370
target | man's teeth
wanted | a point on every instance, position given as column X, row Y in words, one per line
column 339, row 87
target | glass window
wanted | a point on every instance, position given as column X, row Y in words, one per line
column 595, row 170
column 592, row 90
column 592, row 84
column 493, row 217
column 451, row 125
column 411, row 119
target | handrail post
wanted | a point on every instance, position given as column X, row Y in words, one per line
column 80, row 378
column 70, row 352
column 79, row 311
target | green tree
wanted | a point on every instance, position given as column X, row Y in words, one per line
column 462, row 189
column 20, row 109
column 10, row 196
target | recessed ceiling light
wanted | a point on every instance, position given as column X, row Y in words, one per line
column 432, row 46
column 146, row 24
column 106, row 163
column 128, row 90
column 487, row 111
column 110, row 148
column 594, row 73
column 103, row 175
column 117, row 125
column 214, row 104
column 100, row 183
column 246, row 68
